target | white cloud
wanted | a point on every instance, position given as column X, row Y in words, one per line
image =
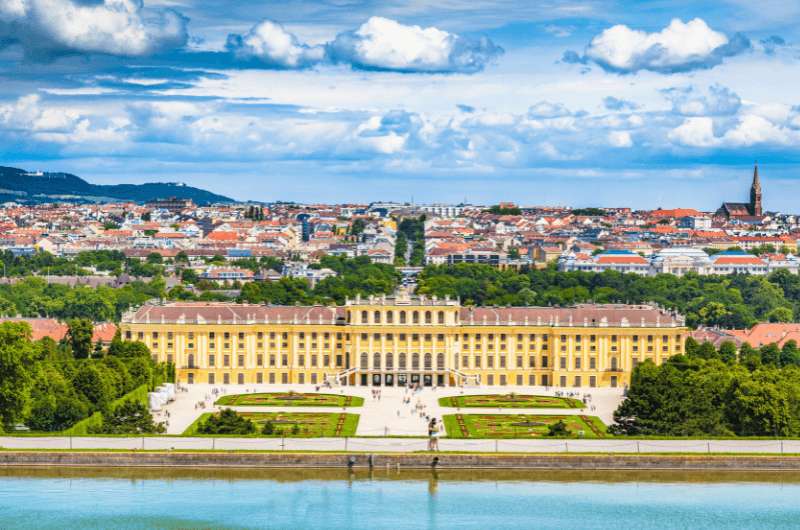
column 681, row 46
column 269, row 42
column 688, row 101
column 378, row 44
column 116, row 27
column 545, row 109
column 620, row 139
column 694, row 132
column 384, row 44
column 757, row 130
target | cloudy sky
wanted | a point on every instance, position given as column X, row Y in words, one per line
column 640, row 103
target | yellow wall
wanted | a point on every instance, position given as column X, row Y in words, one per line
column 561, row 356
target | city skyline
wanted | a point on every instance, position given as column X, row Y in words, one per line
column 588, row 103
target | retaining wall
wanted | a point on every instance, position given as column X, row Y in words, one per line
column 382, row 460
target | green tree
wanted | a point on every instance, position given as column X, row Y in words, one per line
column 727, row 352
column 79, row 337
column 129, row 417
column 16, row 358
column 558, row 428
column 227, row 421
column 790, row 355
column 94, row 384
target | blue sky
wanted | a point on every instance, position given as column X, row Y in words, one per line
column 585, row 102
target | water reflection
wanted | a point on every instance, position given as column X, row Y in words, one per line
column 432, row 476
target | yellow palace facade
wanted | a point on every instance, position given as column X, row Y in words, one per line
column 394, row 341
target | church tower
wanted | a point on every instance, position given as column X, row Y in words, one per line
column 755, row 194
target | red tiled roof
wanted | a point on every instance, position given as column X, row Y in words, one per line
column 622, row 260
column 738, row 260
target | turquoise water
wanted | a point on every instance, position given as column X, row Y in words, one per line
column 33, row 500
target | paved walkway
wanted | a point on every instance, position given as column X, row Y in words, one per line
column 406, row 445
column 387, row 416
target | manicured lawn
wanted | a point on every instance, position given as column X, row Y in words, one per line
column 290, row 399
column 508, row 401
column 519, row 425
column 311, row 424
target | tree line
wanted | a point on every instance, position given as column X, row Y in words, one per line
column 354, row 276
column 715, row 392
column 34, row 297
column 50, row 386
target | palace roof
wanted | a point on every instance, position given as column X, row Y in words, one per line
column 582, row 315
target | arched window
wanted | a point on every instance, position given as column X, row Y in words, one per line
column 389, row 361
column 191, row 360
column 390, row 317
column 428, row 359
column 364, row 317
column 441, row 317
column 376, row 317
column 415, row 317
column 415, row 361
column 402, row 361
column 376, row 360
column 364, row 361
column 402, row 317
column 428, row 317
column 440, row 361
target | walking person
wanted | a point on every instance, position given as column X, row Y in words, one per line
column 433, row 435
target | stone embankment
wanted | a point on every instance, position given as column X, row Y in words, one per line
column 398, row 461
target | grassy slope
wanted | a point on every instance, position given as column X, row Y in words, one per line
column 138, row 394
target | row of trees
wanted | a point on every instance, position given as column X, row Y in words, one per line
column 45, row 263
column 412, row 229
column 49, row 387
column 34, row 297
column 112, row 261
column 715, row 392
column 354, row 276
column 735, row 301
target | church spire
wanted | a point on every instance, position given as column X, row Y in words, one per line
column 755, row 194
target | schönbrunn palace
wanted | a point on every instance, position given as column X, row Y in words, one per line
column 393, row 341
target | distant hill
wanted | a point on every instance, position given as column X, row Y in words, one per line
column 27, row 187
